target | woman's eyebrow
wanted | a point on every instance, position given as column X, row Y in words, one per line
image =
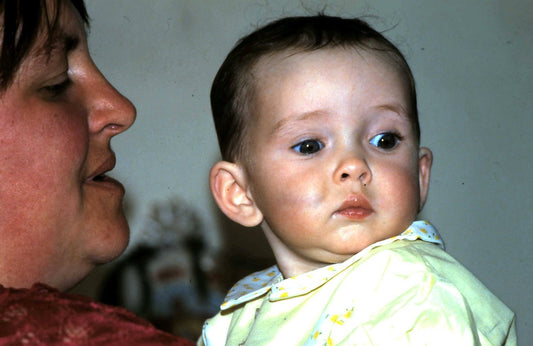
column 60, row 43
column 70, row 42
column 65, row 42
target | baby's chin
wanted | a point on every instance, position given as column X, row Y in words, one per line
column 339, row 255
column 323, row 258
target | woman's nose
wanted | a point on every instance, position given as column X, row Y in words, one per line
column 353, row 169
column 110, row 111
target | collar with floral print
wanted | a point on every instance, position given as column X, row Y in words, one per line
column 271, row 279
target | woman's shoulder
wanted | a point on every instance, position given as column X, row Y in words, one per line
column 42, row 314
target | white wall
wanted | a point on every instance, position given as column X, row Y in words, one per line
column 473, row 65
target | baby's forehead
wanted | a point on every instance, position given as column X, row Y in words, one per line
column 301, row 63
column 359, row 71
column 302, row 52
column 290, row 59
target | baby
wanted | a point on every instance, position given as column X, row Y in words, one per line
column 317, row 123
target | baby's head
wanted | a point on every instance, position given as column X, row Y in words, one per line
column 233, row 89
column 317, row 124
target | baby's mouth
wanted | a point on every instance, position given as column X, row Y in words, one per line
column 355, row 213
column 355, row 208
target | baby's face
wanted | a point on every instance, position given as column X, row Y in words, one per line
column 334, row 164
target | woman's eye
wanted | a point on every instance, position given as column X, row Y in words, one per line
column 385, row 140
column 309, row 146
column 58, row 89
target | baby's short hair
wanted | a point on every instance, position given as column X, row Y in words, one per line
column 233, row 87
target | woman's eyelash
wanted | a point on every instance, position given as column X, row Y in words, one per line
column 57, row 89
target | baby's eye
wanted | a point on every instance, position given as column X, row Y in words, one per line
column 385, row 140
column 309, row 146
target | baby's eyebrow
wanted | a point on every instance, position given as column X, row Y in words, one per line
column 395, row 108
column 294, row 119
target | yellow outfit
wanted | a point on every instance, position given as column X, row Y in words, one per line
column 400, row 291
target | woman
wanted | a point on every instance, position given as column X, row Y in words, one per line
column 60, row 214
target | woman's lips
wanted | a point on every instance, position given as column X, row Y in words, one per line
column 106, row 182
column 101, row 180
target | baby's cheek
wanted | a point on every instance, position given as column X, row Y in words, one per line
column 301, row 199
column 402, row 194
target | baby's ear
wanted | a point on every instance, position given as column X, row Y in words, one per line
column 425, row 160
column 229, row 187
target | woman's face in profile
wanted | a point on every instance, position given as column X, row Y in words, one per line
column 60, row 215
